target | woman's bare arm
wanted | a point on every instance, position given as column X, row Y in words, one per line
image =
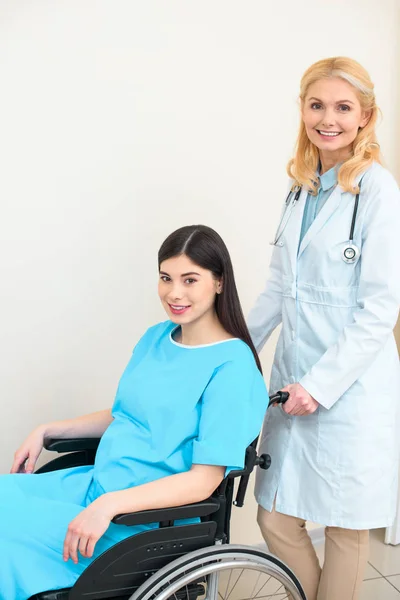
column 183, row 488
column 92, row 425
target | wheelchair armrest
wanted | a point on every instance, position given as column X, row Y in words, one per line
column 188, row 511
column 71, row 444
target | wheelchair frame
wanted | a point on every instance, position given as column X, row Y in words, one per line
column 124, row 569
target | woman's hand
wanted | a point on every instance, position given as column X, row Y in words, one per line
column 26, row 456
column 87, row 528
column 300, row 402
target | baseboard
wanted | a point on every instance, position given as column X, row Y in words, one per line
column 317, row 536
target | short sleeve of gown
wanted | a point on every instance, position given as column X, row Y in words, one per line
column 232, row 411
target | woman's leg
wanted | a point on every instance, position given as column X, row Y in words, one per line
column 31, row 542
column 69, row 484
column 35, row 511
column 288, row 539
column 346, row 557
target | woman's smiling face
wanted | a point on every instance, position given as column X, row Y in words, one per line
column 332, row 115
column 186, row 290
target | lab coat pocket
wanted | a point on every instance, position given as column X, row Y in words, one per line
column 356, row 433
column 330, row 430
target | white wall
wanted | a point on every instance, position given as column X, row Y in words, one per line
column 122, row 121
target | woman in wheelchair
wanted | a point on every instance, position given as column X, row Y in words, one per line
column 189, row 402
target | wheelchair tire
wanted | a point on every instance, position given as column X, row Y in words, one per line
column 183, row 578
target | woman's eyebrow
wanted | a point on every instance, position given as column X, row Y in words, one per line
column 183, row 274
column 338, row 101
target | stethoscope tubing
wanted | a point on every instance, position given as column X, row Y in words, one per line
column 289, row 205
column 292, row 198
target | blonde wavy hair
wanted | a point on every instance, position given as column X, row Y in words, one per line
column 303, row 166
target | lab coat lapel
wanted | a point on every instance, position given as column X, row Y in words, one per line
column 323, row 216
column 292, row 233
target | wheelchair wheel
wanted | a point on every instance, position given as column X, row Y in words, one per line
column 230, row 572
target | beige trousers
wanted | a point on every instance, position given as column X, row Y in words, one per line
column 346, row 556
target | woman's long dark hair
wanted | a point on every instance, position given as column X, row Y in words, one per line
column 207, row 249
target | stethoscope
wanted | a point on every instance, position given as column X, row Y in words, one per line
column 350, row 252
column 290, row 202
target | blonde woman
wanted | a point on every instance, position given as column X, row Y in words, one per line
column 335, row 286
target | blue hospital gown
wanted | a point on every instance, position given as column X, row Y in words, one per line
column 175, row 405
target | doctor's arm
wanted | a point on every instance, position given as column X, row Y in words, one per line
column 266, row 314
column 378, row 300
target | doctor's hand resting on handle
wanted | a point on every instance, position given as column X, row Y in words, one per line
column 300, row 402
column 334, row 285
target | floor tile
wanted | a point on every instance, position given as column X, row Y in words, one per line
column 378, row 589
column 371, row 573
column 395, row 580
column 385, row 559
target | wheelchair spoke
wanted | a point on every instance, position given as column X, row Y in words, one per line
column 174, row 594
column 241, row 573
column 225, row 576
column 275, row 590
column 227, row 585
column 258, row 591
column 277, row 595
column 255, row 585
column 263, row 586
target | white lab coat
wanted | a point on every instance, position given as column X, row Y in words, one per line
column 339, row 465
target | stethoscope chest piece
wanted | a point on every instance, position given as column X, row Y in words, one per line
column 350, row 253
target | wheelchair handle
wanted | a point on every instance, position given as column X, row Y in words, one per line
column 278, row 398
column 252, row 460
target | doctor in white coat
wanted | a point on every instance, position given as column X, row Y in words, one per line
column 335, row 286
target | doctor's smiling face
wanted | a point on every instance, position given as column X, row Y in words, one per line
column 186, row 290
column 332, row 116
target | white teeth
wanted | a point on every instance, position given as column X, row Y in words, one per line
column 178, row 307
column 329, row 133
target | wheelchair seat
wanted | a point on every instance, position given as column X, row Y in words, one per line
column 54, row 595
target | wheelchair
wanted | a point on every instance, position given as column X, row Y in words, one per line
column 178, row 562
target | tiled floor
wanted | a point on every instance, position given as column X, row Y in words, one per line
column 382, row 579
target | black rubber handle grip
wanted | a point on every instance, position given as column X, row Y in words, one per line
column 279, row 398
